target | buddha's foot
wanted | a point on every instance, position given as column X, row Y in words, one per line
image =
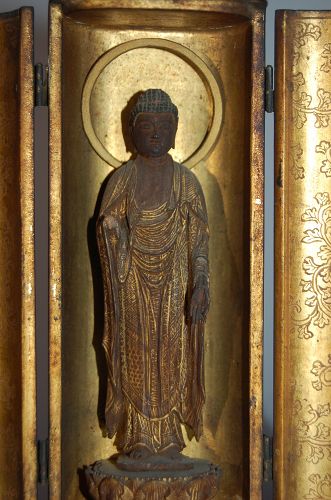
column 141, row 459
column 172, row 453
column 139, row 453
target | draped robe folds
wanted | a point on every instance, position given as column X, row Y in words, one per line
column 151, row 260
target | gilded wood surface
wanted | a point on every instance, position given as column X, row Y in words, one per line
column 256, row 201
column 303, row 256
column 243, row 7
column 17, row 321
column 26, row 87
column 55, row 226
column 233, row 366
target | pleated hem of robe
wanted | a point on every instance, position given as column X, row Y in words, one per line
column 157, row 435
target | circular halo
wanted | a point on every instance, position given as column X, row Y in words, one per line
column 204, row 71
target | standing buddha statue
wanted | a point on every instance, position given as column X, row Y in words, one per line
column 153, row 241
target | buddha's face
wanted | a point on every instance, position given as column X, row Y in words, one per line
column 154, row 133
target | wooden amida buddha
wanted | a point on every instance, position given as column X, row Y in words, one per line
column 153, row 241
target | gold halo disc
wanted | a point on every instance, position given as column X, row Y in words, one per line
column 199, row 65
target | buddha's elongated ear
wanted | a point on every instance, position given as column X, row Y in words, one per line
column 131, row 128
column 175, row 132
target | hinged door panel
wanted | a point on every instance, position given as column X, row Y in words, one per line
column 17, row 316
column 303, row 255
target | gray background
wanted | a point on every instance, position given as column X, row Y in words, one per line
column 41, row 220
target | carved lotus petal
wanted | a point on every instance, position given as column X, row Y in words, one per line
column 153, row 490
column 199, row 489
column 112, row 489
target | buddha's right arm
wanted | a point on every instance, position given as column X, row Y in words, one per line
column 110, row 223
column 116, row 237
column 112, row 215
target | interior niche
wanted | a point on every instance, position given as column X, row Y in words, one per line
column 223, row 42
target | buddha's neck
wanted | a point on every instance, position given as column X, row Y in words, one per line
column 154, row 163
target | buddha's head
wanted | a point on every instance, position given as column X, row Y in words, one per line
column 153, row 123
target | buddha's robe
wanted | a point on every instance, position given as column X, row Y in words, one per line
column 151, row 260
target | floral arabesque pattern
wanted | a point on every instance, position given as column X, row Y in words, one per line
column 323, row 374
column 302, row 104
column 321, row 489
column 297, row 170
column 317, row 270
column 313, row 434
column 324, row 147
column 326, row 54
column 303, row 33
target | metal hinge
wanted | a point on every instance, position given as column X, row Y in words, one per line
column 43, row 461
column 269, row 89
column 41, row 85
column 267, row 458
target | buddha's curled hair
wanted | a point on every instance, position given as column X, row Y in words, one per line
column 153, row 101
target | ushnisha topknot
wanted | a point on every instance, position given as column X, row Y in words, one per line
column 153, row 101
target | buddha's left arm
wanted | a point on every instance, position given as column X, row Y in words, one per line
column 199, row 236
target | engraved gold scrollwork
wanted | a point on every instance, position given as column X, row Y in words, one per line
column 324, row 147
column 303, row 33
column 296, row 168
column 326, row 54
column 317, row 270
column 323, row 374
column 302, row 104
column 321, row 489
column 313, row 431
